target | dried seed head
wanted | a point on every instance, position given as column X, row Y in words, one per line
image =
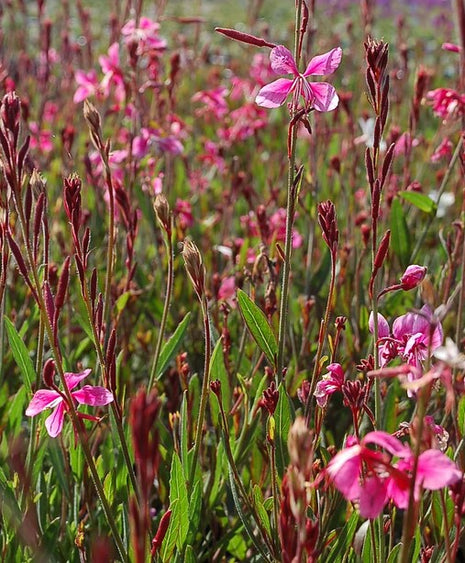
column 194, row 266
column 163, row 213
column 300, row 446
column 92, row 116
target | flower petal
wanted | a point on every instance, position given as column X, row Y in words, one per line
column 388, row 442
column 274, row 94
column 435, row 470
column 94, row 396
column 373, row 497
column 42, row 399
column 324, row 96
column 54, row 423
column 383, row 326
column 282, row 61
column 344, row 471
column 72, row 379
column 324, row 64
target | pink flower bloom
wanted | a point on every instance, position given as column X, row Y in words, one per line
column 371, row 478
column 446, row 102
column 444, row 150
column 49, row 398
column 414, row 335
column 452, row 47
column 87, row 85
column 412, row 277
column 113, row 74
column 227, row 290
column 146, row 35
column 328, row 384
column 214, row 101
column 183, row 213
column 318, row 95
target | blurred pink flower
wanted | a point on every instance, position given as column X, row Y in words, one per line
column 318, row 95
column 214, row 102
column 446, row 102
column 49, row 398
column 146, row 35
column 183, row 213
column 444, row 150
column 329, row 383
column 113, row 74
column 87, row 85
column 369, row 477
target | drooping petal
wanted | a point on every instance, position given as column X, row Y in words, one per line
column 398, row 486
column 54, row 423
column 373, row 497
column 324, row 96
column 42, row 399
column 72, row 379
column 388, row 442
column 94, row 396
column 383, row 326
column 274, row 94
column 435, row 470
column 344, row 470
column 324, row 64
column 282, row 61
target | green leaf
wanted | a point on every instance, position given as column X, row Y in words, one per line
column 461, row 415
column 392, row 558
column 258, row 326
column 344, row 539
column 122, row 301
column 421, row 201
column 283, row 417
column 171, row 347
column 189, row 555
column 262, row 513
column 400, row 238
column 179, row 503
column 20, row 355
column 195, row 512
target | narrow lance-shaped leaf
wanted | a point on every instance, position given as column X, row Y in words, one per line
column 172, row 345
column 20, row 354
column 258, row 326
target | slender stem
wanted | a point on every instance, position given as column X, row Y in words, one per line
column 204, row 394
column 449, row 557
column 321, row 337
column 373, row 541
column 166, row 306
column 290, row 208
column 67, row 393
column 442, row 187
column 111, row 238
column 274, row 486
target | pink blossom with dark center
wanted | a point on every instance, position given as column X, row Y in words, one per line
column 52, row 399
column 318, row 95
column 371, row 478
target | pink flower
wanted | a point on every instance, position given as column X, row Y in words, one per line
column 111, row 68
column 446, row 102
column 146, row 35
column 414, row 336
column 318, row 95
column 87, row 85
column 371, row 478
column 452, row 47
column 50, row 398
column 328, row 384
column 412, row 277
column 444, row 150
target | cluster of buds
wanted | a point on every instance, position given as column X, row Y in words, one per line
column 328, row 223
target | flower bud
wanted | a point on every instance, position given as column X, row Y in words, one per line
column 412, row 277
column 194, row 266
column 49, row 373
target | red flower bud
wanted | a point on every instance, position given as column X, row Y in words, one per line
column 412, row 277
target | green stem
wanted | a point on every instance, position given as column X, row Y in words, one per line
column 166, row 306
column 204, row 394
column 449, row 557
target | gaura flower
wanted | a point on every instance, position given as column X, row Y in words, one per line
column 318, row 95
column 328, row 384
column 51, row 399
column 373, row 477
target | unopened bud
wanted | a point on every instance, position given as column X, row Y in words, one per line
column 300, row 445
column 194, row 266
column 163, row 213
column 48, row 374
column 412, row 277
column 92, row 116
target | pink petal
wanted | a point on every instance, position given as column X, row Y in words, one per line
column 388, row 442
column 43, row 399
column 398, row 488
column 344, row 470
column 274, row 94
column 72, row 379
column 436, row 470
column 324, row 96
column 324, row 64
column 373, row 497
column 81, row 94
column 383, row 326
column 282, row 61
column 94, row 396
column 54, row 423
